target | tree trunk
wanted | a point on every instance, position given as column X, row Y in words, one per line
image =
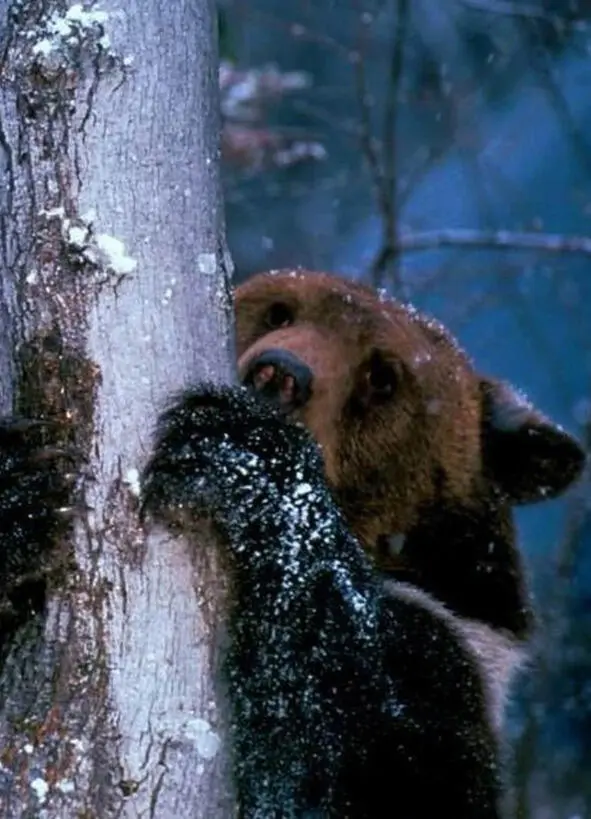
column 115, row 293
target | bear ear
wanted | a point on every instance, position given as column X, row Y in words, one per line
column 528, row 456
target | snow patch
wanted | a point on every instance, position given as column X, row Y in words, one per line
column 41, row 788
column 71, row 29
column 99, row 249
column 52, row 213
column 207, row 264
column 132, row 481
column 77, row 236
column 207, row 741
column 114, row 253
column 65, row 786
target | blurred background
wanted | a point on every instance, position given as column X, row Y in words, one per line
column 441, row 150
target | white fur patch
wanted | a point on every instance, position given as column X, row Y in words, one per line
column 498, row 655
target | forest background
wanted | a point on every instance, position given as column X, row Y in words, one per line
column 441, row 151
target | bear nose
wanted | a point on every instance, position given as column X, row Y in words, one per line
column 280, row 377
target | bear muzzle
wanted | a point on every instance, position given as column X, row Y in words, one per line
column 281, row 378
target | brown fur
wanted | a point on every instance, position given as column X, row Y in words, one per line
column 447, row 447
column 414, row 448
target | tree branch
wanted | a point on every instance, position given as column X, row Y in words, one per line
column 382, row 159
column 482, row 240
column 389, row 257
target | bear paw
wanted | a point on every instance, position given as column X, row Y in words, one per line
column 34, row 511
column 224, row 451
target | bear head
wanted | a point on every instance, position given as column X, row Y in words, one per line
column 425, row 456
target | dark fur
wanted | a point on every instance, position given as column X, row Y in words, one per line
column 32, row 491
column 355, row 697
column 347, row 702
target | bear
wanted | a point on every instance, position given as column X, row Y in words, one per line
column 363, row 478
column 414, row 441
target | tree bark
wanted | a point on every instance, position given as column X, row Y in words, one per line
column 115, row 293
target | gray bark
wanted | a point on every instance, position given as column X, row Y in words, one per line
column 113, row 707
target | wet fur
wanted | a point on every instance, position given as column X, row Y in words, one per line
column 350, row 699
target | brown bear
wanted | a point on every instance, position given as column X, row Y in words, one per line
column 425, row 456
column 364, row 479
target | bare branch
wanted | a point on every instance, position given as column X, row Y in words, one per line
column 369, row 144
column 482, row 239
column 381, row 158
column 389, row 257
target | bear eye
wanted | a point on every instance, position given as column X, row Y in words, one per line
column 381, row 377
column 279, row 315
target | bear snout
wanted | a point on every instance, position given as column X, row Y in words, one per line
column 281, row 378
